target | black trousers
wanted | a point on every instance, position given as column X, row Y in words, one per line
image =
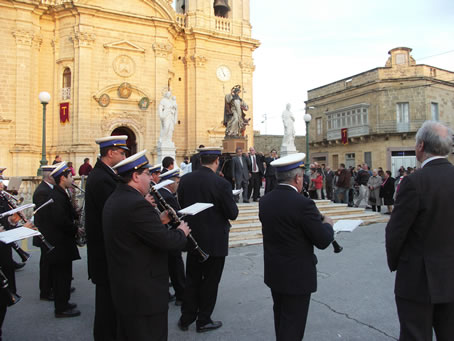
column 176, row 273
column 329, row 192
column 270, row 183
column 417, row 320
column 45, row 274
column 202, row 282
column 242, row 185
column 142, row 327
column 105, row 324
column 2, row 316
column 290, row 315
column 254, row 186
column 62, row 275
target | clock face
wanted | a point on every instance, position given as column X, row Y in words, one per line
column 223, row 73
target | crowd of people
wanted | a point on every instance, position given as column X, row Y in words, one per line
column 135, row 236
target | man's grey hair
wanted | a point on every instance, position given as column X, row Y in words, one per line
column 437, row 138
column 287, row 177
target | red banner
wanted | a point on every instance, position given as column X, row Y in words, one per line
column 344, row 135
column 64, row 112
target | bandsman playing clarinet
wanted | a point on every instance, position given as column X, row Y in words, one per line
column 211, row 230
column 291, row 227
column 137, row 245
column 176, row 265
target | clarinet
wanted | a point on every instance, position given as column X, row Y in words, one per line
column 165, row 206
column 337, row 248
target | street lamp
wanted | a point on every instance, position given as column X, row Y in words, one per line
column 44, row 98
column 307, row 119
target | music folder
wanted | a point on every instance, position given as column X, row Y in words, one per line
column 195, row 208
column 17, row 234
column 163, row 184
column 17, row 209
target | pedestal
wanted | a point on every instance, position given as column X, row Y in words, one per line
column 166, row 150
column 288, row 150
column 230, row 144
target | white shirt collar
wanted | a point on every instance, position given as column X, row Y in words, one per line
column 290, row 186
column 426, row 161
column 49, row 184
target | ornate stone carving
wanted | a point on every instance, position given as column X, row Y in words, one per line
column 195, row 59
column 124, row 66
column 247, row 67
column 124, row 90
column 23, row 37
column 162, row 49
column 82, row 39
column 117, row 118
column 144, row 103
column 104, row 100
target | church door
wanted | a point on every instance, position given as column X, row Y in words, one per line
column 130, row 142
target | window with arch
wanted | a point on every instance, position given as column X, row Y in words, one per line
column 66, row 84
column 221, row 8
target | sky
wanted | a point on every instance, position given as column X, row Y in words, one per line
column 307, row 43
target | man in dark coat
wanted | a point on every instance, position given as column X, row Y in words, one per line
column 211, row 230
column 420, row 239
column 195, row 160
column 176, row 264
column 240, row 173
column 101, row 182
column 137, row 245
column 61, row 234
column 257, row 171
column 291, row 226
column 42, row 221
column 270, row 173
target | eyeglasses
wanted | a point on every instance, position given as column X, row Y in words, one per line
column 120, row 151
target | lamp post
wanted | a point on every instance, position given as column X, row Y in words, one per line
column 307, row 119
column 44, row 98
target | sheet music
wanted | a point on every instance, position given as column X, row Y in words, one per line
column 237, row 191
column 346, row 225
column 17, row 234
column 15, row 210
column 163, row 184
column 195, row 208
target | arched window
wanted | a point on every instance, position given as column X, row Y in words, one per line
column 221, row 8
column 66, row 86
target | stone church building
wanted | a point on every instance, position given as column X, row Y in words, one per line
column 373, row 116
column 107, row 64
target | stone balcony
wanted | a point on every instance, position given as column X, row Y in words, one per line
column 335, row 134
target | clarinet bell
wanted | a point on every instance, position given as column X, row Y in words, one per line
column 337, row 248
column 24, row 256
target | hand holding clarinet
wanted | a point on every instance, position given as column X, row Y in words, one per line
column 337, row 248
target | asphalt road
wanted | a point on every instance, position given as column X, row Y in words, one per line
column 354, row 300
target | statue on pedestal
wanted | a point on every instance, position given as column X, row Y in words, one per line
column 235, row 121
column 288, row 142
column 168, row 113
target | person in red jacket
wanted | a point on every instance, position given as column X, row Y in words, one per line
column 85, row 168
column 318, row 183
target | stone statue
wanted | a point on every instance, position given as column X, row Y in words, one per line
column 235, row 121
column 168, row 113
column 289, row 129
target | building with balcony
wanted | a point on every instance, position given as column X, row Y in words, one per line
column 379, row 112
column 107, row 65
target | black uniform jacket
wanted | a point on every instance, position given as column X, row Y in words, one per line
column 42, row 217
column 420, row 234
column 101, row 182
column 170, row 199
column 136, row 247
column 210, row 227
column 270, row 170
column 291, row 226
column 61, row 232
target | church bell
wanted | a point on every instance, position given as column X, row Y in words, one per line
column 221, row 8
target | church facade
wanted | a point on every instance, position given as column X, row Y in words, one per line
column 107, row 64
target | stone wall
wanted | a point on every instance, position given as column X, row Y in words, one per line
column 265, row 143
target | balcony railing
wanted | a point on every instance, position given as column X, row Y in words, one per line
column 222, row 25
column 56, row 2
column 66, row 93
column 181, row 19
column 389, row 127
column 335, row 134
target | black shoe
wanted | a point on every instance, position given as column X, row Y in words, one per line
column 67, row 313
column 209, row 326
column 72, row 290
column 49, row 297
column 71, row 306
column 178, row 302
column 256, row 200
column 245, row 201
column 183, row 327
column 18, row 266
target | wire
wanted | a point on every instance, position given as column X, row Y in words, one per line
column 435, row 55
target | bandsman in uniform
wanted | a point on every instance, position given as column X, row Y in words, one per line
column 61, row 234
column 101, row 182
column 42, row 221
column 291, row 227
column 176, row 264
column 137, row 245
column 211, row 230
column 155, row 172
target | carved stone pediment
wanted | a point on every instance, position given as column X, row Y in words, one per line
column 125, row 45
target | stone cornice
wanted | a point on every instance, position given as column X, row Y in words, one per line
column 23, row 37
